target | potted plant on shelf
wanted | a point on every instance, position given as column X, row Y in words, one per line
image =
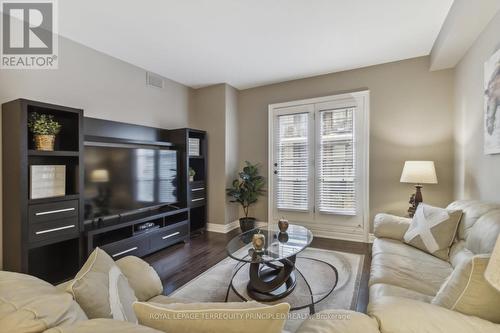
column 246, row 191
column 44, row 129
column 191, row 173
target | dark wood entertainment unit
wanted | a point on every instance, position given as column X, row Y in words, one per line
column 49, row 238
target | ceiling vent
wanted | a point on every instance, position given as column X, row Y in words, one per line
column 154, row 80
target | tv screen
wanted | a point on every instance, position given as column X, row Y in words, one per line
column 122, row 179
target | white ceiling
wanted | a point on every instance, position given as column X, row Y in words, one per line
column 248, row 43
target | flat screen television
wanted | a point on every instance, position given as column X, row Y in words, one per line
column 122, row 178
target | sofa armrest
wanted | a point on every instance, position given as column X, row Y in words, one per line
column 141, row 277
column 339, row 321
column 390, row 226
column 402, row 315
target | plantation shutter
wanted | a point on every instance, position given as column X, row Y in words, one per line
column 336, row 183
column 292, row 162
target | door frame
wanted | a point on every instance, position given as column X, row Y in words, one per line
column 344, row 233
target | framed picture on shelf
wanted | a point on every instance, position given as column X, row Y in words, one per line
column 47, row 181
column 194, row 147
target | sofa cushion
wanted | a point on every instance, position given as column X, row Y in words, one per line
column 238, row 317
column 459, row 253
column 472, row 210
column 433, row 230
column 339, row 321
column 102, row 326
column 92, row 284
column 28, row 304
column 401, row 265
column 141, row 277
column 403, row 315
column 382, row 289
column 484, row 233
column 467, row 291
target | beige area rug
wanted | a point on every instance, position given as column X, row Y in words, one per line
column 212, row 285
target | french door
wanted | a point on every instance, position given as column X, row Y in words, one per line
column 318, row 159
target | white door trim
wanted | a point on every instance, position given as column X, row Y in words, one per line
column 361, row 96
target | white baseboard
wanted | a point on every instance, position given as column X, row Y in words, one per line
column 225, row 228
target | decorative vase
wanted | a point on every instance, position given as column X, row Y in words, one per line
column 191, row 178
column 283, row 224
column 247, row 223
column 258, row 242
column 44, row 142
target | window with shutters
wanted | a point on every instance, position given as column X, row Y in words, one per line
column 293, row 162
column 318, row 161
column 336, row 163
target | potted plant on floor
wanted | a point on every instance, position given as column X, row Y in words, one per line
column 246, row 191
column 44, row 129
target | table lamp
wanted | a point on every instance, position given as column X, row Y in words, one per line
column 492, row 273
column 418, row 173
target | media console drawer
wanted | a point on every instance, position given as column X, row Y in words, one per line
column 135, row 246
column 52, row 211
column 53, row 229
column 169, row 235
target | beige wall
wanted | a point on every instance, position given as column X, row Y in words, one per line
column 477, row 175
column 232, row 153
column 215, row 110
column 103, row 86
column 208, row 113
column 411, row 119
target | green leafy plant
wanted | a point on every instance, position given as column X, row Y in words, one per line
column 43, row 124
column 247, row 189
column 191, row 172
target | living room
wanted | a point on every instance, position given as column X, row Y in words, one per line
column 206, row 166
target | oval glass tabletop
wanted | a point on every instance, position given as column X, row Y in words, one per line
column 278, row 245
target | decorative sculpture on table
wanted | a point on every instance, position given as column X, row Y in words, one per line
column 283, row 224
column 258, row 242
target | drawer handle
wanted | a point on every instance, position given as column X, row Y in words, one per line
column 55, row 211
column 199, row 199
column 171, row 235
column 126, row 251
column 197, row 189
column 55, row 229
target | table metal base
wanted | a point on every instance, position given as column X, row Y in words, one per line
column 270, row 282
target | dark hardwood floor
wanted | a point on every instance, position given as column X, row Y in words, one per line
column 182, row 262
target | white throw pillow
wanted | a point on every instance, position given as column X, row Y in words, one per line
column 433, row 230
column 101, row 289
column 467, row 291
column 235, row 317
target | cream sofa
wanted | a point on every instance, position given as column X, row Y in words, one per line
column 28, row 304
column 404, row 280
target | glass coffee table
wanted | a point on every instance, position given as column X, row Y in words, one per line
column 272, row 272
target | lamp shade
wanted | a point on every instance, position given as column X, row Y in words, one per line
column 419, row 172
column 492, row 273
column 99, row 176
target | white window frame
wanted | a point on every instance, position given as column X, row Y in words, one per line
column 363, row 100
